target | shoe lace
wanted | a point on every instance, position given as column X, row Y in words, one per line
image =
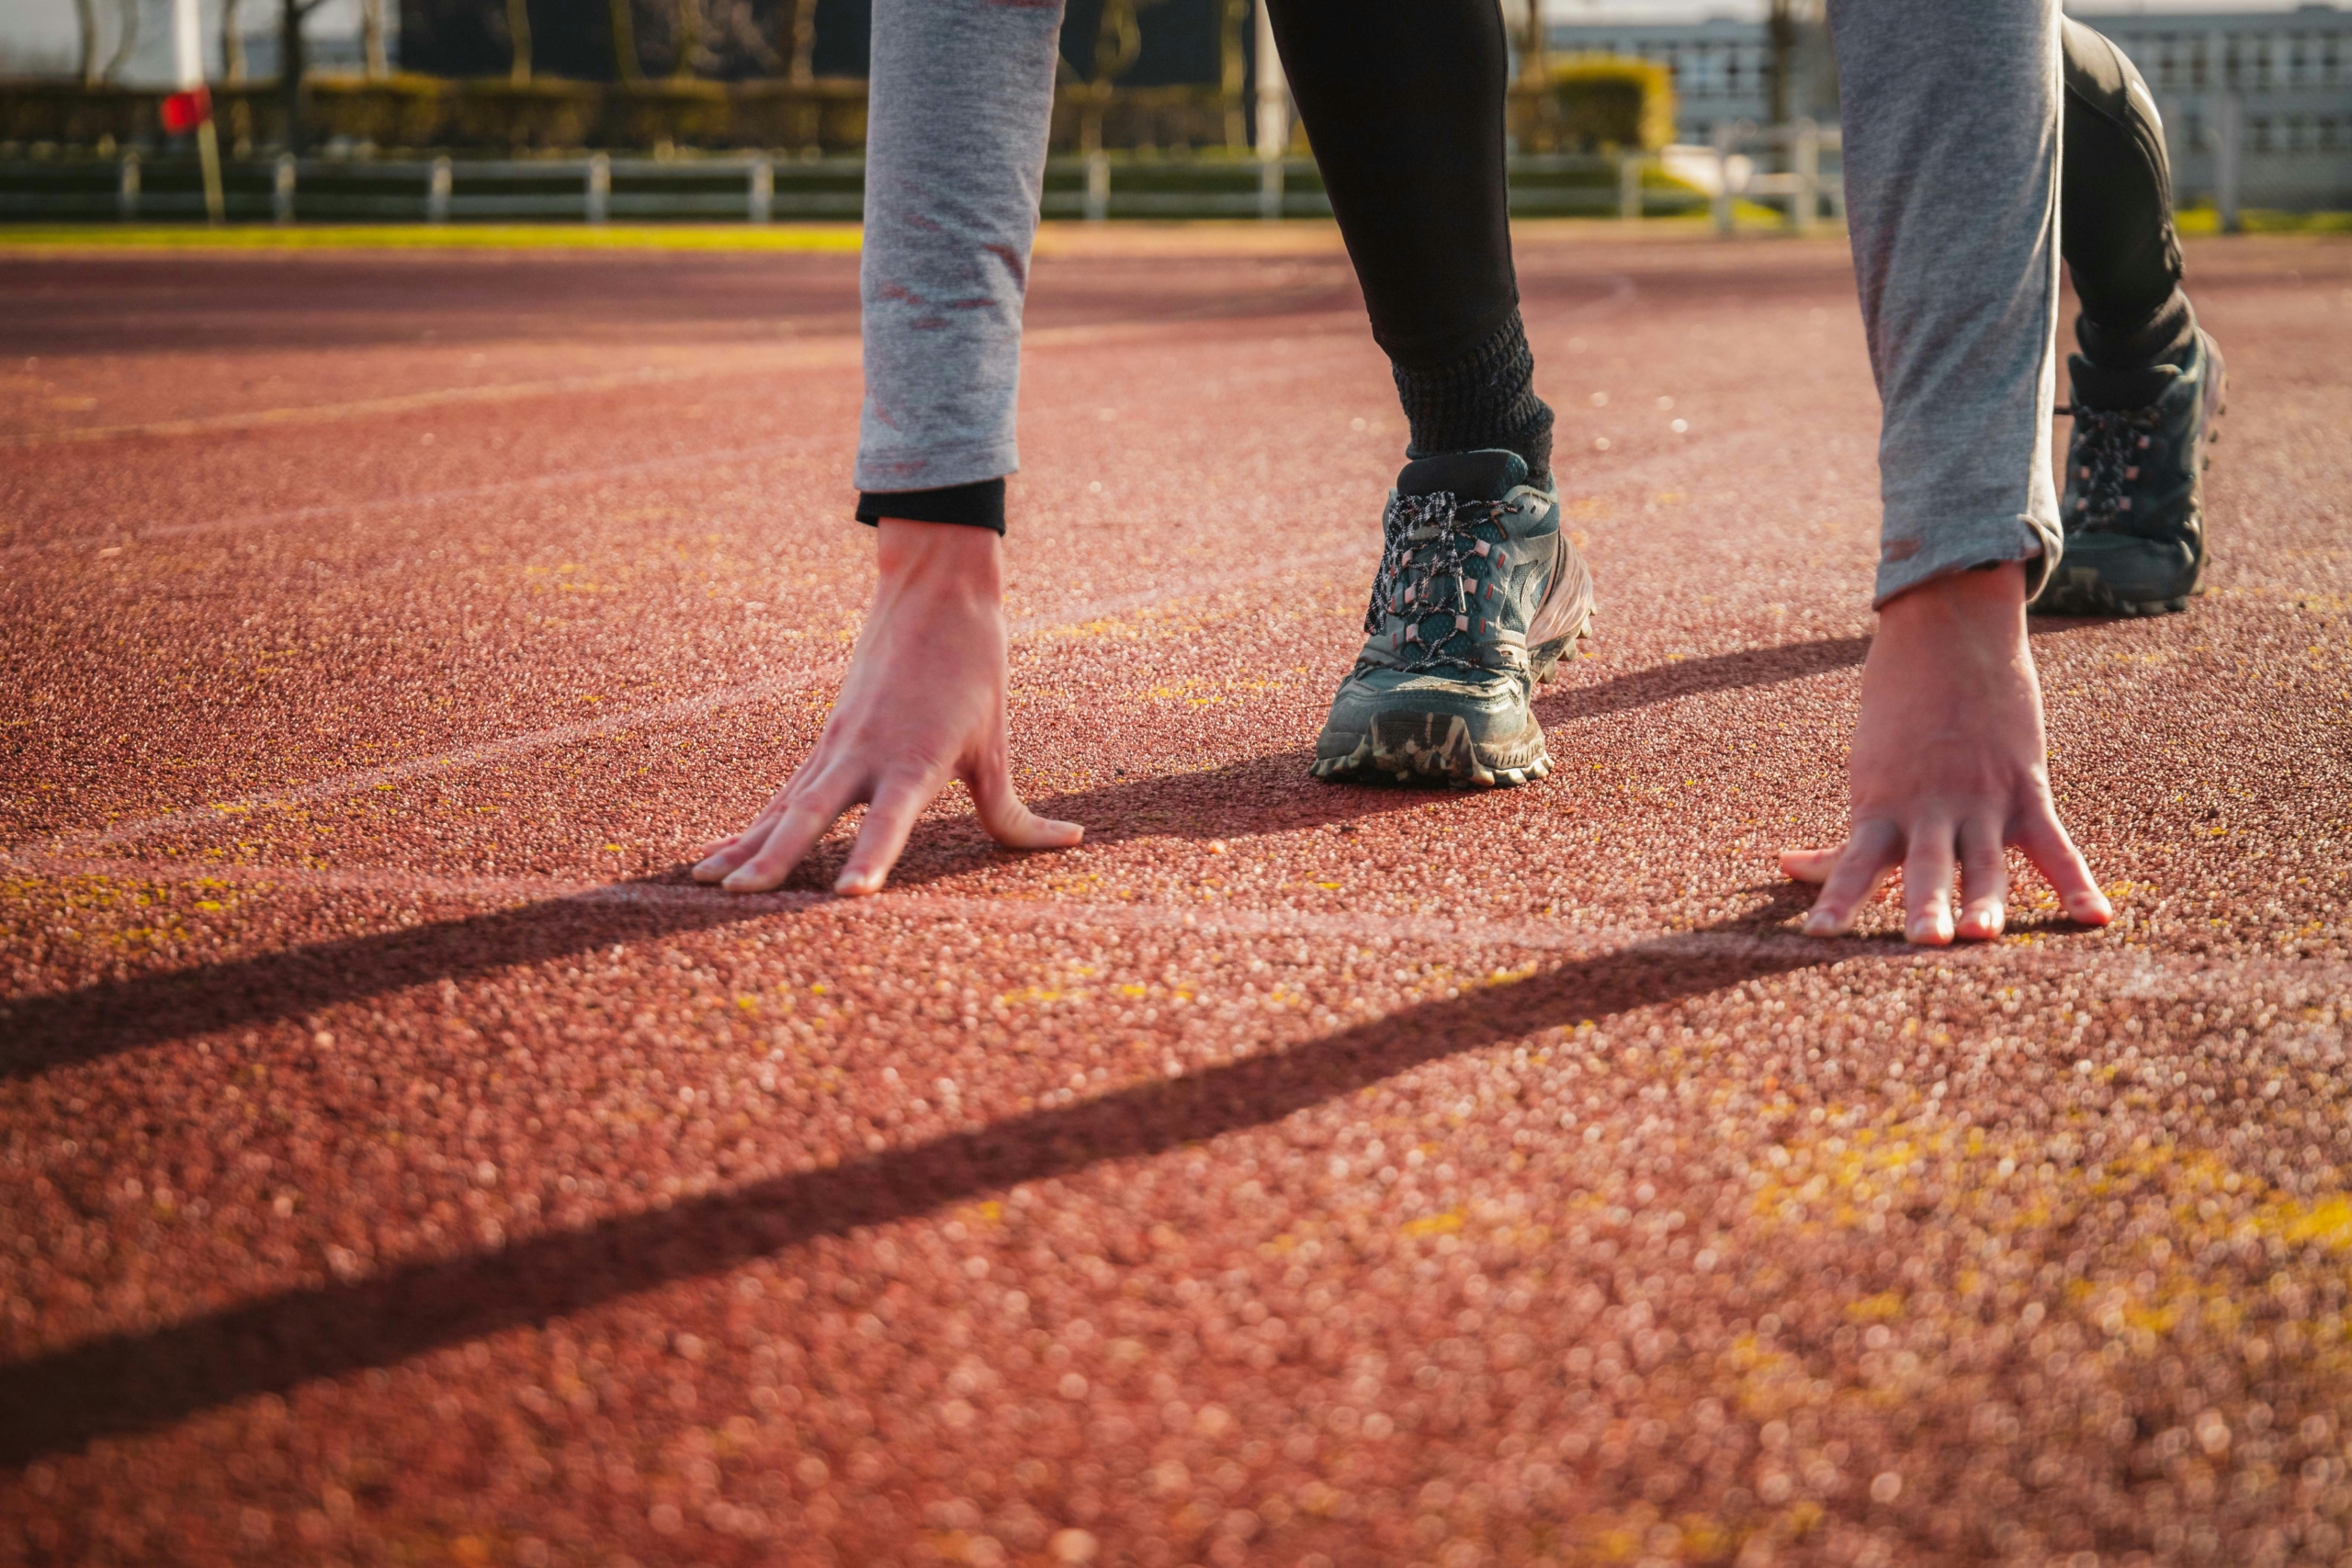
column 2110, row 446
column 1427, row 560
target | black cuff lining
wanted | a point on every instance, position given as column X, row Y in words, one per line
column 979, row 504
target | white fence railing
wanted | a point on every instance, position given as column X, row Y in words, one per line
column 599, row 188
column 2221, row 159
column 1793, row 168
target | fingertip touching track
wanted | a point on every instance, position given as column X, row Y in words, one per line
column 403, row 1161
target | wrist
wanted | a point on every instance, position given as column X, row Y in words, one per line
column 1986, row 598
column 939, row 557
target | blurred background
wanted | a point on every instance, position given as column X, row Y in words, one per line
column 588, row 111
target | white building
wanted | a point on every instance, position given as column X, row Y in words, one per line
column 2290, row 73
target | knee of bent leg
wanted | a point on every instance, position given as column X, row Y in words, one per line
column 2102, row 78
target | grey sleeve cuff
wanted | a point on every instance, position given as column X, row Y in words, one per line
column 1908, row 558
column 884, row 465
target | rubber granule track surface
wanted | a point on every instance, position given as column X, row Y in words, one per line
column 401, row 1162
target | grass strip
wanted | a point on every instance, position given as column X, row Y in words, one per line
column 2263, row 220
column 433, row 237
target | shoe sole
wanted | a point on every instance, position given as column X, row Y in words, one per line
column 2082, row 593
column 1412, row 748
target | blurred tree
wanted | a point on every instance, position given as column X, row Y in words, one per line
column 804, row 41
column 518, row 40
column 86, row 15
column 745, row 33
column 1784, row 24
column 293, row 69
column 625, row 61
column 232, row 43
column 1176, row 41
column 686, row 50
column 1533, row 64
column 127, row 40
column 1233, row 70
column 372, row 55
column 461, row 37
column 523, row 40
column 232, row 71
column 1118, row 40
column 609, row 41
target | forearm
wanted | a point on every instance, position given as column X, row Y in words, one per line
column 960, row 100
column 1951, row 126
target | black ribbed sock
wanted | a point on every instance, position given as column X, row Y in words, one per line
column 1485, row 399
column 2165, row 338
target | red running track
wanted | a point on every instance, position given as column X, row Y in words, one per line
column 401, row 1163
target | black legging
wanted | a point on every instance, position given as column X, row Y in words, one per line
column 2115, row 206
column 1402, row 102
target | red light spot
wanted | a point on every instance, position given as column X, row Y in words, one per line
column 182, row 112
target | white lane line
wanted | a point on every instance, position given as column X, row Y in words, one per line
column 2135, row 972
column 1433, row 930
column 1048, row 337
column 420, row 499
column 814, row 353
column 90, row 839
column 466, row 757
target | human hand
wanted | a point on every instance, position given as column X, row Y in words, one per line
column 922, row 703
column 1948, row 756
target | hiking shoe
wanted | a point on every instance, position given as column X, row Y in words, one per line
column 2133, row 506
column 1479, row 593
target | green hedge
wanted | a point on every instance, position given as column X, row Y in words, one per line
column 489, row 114
column 1595, row 103
column 1592, row 104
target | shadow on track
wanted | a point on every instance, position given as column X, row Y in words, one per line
column 137, row 1381
column 43, row 1033
column 1259, row 795
column 1265, row 795
column 1694, row 677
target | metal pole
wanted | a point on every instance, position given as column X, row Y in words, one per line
column 1805, row 157
column 762, row 196
column 187, row 64
column 2230, row 163
column 1098, row 185
column 1274, row 118
column 126, row 190
column 188, row 46
column 1629, row 187
column 437, row 192
column 600, row 187
column 208, row 153
column 281, row 191
column 1723, row 179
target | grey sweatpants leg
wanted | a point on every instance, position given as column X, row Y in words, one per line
column 960, row 98
column 1950, row 114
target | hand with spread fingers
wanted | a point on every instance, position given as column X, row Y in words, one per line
column 1949, row 769
column 923, row 704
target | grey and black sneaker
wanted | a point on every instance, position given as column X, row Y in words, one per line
column 2134, row 508
column 1478, row 595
